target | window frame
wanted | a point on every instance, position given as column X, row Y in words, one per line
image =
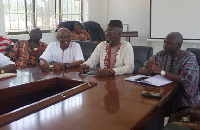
column 33, row 14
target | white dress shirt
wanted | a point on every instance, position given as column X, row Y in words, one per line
column 4, row 60
column 53, row 52
column 124, row 58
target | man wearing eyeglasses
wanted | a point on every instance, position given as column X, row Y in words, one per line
column 115, row 56
column 63, row 54
column 26, row 53
column 179, row 66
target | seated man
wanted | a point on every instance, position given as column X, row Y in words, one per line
column 115, row 56
column 179, row 66
column 62, row 54
column 6, row 65
column 26, row 53
column 4, row 45
column 79, row 34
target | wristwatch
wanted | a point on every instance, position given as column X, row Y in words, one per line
column 162, row 73
column 2, row 71
column 66, row 65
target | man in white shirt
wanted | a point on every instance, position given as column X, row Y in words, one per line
column 63, row 54
column 116, row 57
column 6, row 65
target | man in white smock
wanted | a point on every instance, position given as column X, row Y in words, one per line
column 115, row 56
column 63, row 54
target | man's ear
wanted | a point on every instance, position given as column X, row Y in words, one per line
column 120, row 33
column 179, row 45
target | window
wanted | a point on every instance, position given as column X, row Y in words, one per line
column 23, row 15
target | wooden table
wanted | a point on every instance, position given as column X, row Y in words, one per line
column 113, row 104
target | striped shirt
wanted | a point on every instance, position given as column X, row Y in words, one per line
column 187, row 68
column 4, row 45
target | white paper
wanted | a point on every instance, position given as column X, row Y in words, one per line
column 133, row 78
column 158, row 80
column 7, row 75
column 154, row 80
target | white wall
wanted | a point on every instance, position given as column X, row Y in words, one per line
column 135, row 13
column 98, row 12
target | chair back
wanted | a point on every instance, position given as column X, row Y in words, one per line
column 68, row 24
column 196, row 52
column 87, row 48
column 95, row 30
column 141, row 54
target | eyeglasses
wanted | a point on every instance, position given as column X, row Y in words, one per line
column 109, row 32
column 62, row 37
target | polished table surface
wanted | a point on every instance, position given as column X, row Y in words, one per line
column 114, row 104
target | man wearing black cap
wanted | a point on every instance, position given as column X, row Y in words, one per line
column 116, row 57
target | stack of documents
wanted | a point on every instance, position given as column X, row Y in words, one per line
column 156, row 80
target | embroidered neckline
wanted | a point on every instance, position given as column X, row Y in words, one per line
column 110, row 56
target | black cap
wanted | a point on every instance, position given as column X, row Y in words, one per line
column 116, row 23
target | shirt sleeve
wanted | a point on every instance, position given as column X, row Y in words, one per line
column 128, row 58
column 9, row 43
column 47, row 54
column 78, row 53
column 5, row 61
column 190, row 76
column 14, row 52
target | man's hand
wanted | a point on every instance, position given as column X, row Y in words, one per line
column 44, row 65
column 102, row 72
column 195, row 115
column 153, row 67
column 84, row 68
column 58, row 66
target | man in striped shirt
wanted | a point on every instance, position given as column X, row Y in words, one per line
column 4, row 45
column 179, row 66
